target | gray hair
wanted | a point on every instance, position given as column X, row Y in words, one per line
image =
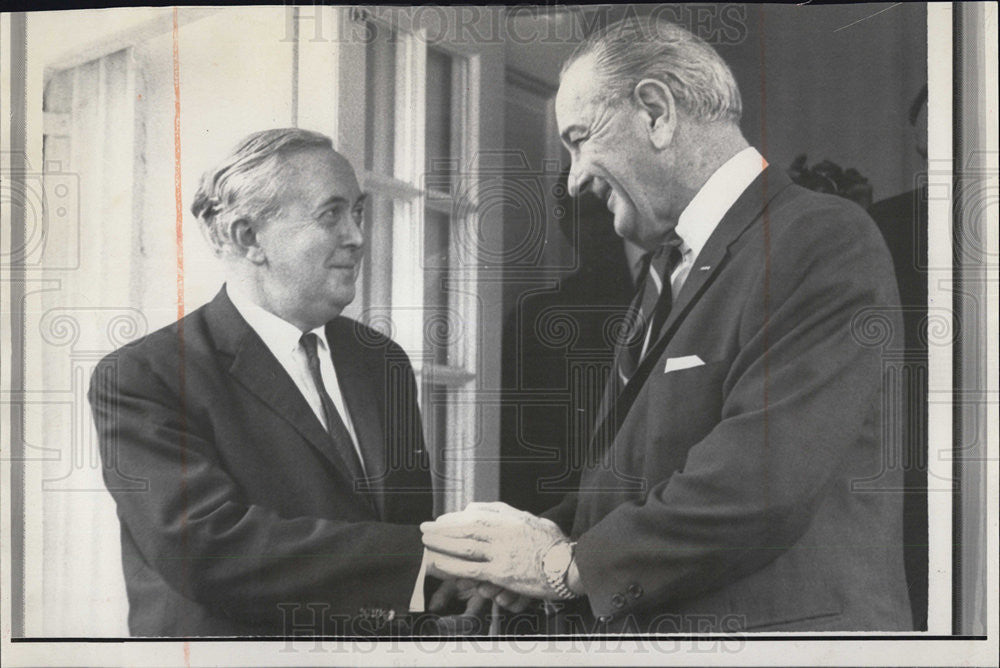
column 246, row 184
column 633, row 49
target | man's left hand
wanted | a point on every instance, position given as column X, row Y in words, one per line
column 492, row 542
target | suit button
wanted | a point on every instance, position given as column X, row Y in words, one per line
column 618, row 601
column 605, row 619
column 634, row 590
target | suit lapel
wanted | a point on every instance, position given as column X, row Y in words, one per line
column 712, row 257
column 710, row 262
column 256, row 369
column 358, row 384
column 601, row 437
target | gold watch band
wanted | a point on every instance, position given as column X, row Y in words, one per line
column 558, row 583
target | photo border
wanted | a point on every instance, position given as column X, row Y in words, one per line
column 953, row 133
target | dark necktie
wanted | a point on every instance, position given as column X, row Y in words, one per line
column 341, row 438
column 650, row 307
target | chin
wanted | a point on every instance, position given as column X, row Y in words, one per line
column 625, row 226
column 341, row 299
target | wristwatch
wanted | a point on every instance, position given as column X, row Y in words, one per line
column 555, row 566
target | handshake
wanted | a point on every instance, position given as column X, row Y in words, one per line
column 494, row 551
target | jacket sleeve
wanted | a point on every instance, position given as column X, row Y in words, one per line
column 193, row 526
column 798, row 394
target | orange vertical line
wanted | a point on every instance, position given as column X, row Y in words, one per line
column 178, row 201
column 766, row 221
column 179, row 230
column 767, row 244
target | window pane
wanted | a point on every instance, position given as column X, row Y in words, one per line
column 436, row 431
column 438, row 149
column 380, row 101
column 377, row 267
column 437, row 317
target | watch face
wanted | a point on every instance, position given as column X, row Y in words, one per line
column 557, row 560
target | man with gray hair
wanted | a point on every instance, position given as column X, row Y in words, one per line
column 737, row 476
column 277, row 446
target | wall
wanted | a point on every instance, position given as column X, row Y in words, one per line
column 814, row 83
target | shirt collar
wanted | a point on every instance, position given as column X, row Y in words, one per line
column 706, row 210
column 280, row 336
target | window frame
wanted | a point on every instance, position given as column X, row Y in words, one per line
column 453, row 385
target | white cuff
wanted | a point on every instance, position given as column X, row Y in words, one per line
column 417, row 603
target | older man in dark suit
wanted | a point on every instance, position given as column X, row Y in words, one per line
column 280, row 444
column 737, row 478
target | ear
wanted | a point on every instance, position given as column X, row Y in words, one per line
column 246, row 241
column 659, row 110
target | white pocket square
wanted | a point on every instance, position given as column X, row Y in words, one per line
column 686, row 362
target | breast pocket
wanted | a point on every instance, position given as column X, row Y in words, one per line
column 696, row 388
column 678, row 409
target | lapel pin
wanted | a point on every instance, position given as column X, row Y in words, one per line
column 704, row 267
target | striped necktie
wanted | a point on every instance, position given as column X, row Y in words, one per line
column 342, row 441
column 650, row 307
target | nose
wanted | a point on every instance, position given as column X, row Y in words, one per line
column 351, row 235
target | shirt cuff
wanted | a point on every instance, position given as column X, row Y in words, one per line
column 417, row 603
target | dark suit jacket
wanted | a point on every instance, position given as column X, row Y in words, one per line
column 235, row 510
column 751, row 492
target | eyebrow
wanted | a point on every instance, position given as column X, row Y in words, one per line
column 337, row 199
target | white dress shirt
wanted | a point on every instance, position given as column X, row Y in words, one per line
column 283, row 340
column 704, row 213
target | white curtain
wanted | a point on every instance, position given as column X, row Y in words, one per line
column 76, row 312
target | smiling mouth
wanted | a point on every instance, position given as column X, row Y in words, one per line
column 611, row 201
column 604, row 193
